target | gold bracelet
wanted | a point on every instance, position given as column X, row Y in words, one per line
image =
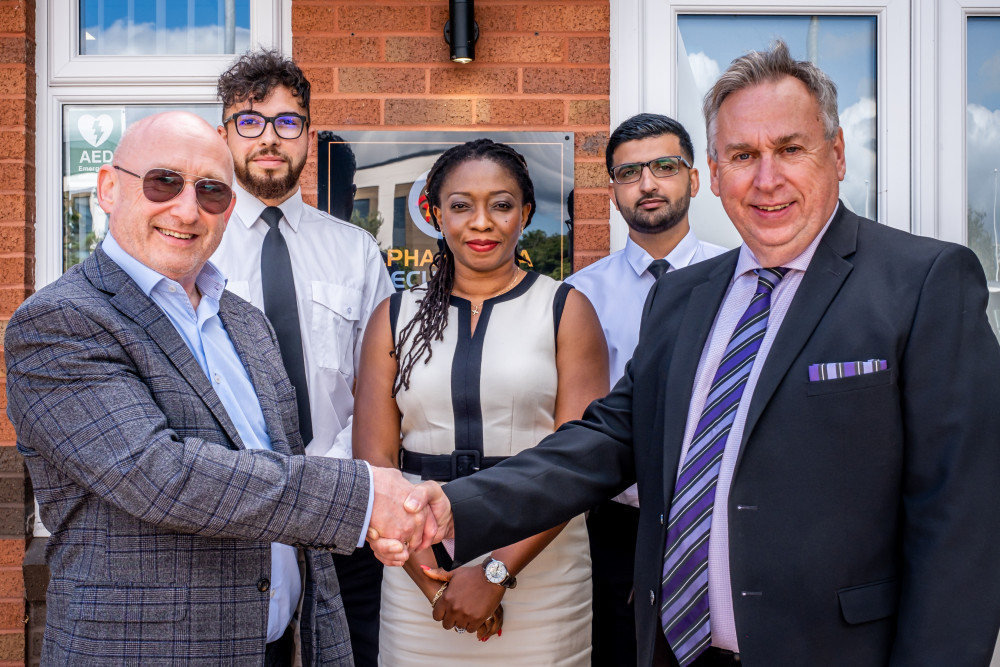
column 440, row 592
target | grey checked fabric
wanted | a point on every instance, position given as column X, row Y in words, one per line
column 161, row 521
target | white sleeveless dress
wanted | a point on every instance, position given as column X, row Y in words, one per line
column 495, row 389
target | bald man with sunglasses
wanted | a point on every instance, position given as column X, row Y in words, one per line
column 161, row 433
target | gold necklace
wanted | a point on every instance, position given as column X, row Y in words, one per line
column 476, row 309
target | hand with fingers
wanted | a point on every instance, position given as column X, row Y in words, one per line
column 399, row 525
column 467, row 602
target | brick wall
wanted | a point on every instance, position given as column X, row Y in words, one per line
column 17, row 277
column 541, row 66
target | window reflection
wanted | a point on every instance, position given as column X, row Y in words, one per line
column 90, row 136
column 161, row 27
column 842, row 46
column 982, row 136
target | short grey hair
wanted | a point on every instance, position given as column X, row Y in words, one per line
column 759, row 67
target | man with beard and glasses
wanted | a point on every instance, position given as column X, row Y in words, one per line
column 316, row 277
column 652, row 181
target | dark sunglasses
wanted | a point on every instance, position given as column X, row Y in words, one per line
column 161, row 185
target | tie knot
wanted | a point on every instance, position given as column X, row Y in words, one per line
column 271, row 215
column 658, row 267
column 769, row 278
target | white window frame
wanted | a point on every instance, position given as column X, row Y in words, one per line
column 948, row 178
column 65, row 77
column 640, row 29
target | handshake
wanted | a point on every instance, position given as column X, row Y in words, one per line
column 406, row 518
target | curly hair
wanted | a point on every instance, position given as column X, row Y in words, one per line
column 431, row 318
column 256, row 74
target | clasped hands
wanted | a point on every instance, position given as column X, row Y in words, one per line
column 406, row 518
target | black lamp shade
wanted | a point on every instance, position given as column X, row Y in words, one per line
column 461, row 31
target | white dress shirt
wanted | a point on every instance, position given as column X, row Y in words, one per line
column 738, row 296
column 617, row 286
column 204, row 334
column 339, row 279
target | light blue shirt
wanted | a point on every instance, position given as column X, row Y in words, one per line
column 205, row 336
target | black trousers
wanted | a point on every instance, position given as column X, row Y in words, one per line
column 613, row 528
column 360, row 576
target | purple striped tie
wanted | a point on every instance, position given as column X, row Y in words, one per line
column 684, row 606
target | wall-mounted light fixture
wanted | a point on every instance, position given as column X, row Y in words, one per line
column 461, row 30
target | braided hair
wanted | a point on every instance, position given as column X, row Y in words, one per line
column 432, row 310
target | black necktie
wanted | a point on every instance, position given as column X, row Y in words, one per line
column 658, row 267
column 280, row 307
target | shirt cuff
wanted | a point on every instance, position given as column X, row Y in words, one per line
column 371, row 503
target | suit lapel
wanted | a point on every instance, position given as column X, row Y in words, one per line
column 134, row 304
column 822, row 280
column 699, row 315
column 246, row 347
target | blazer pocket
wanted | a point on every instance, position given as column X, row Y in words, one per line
column 128, row 604
column 869, row 602
column 336, row 310
column 866, row 381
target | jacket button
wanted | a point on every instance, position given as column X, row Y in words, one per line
column 661, row 519
column 263, row 584
column 652, row 598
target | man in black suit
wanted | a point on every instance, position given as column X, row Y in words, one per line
column 839, row 447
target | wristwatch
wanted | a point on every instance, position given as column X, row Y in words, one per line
column 496, row 573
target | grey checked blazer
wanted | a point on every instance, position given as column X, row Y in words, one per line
column 161, row 520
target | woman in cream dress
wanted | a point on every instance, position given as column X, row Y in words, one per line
column 491, row 360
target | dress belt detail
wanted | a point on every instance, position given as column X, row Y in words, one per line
column 446, row 467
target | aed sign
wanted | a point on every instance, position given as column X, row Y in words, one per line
column 92, row 135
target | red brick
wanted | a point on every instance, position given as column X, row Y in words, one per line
column 10, row 298
column 416, row 50
column 310, row 198
column 589, row 112
column 570, row 81
column 591, row 206
column 313, row 18
column 15, row 81
column 428, row 112
column 335, row 50
column 379, row 18
column 345, row 112
column 16, row 207
column 13, row 238
column 15, row 271
column 491, row 18
column 578, row 17
column 13, row 17
column 11, row 551
column 309, row 176
column 589, row 50
column 16, row 176
column 473, row 80
column 13, row 145
column 520, row 112
column 590, row 144
column 506, row 49
column 590, row 175
column 585, row 259
column 7, row 433
column 591, row 236
column 17, row 50
column 322, row 79
column 11, row 584
column 12, row 645
column 12, row 614
column 15, row 113
column 382, row 80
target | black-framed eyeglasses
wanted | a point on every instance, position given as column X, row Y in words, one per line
column 250, row 124
column 161, row 185
column 661, row 167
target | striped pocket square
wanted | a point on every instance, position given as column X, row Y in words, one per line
column 845, row 369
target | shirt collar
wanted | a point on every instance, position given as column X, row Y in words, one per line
column 210, row 280
column 679, row 257
column 249, row 208
column 748, row 262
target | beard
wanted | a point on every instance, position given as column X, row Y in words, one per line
column 269, row 185
column 655, row 222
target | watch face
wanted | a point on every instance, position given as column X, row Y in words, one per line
column 496, row 571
